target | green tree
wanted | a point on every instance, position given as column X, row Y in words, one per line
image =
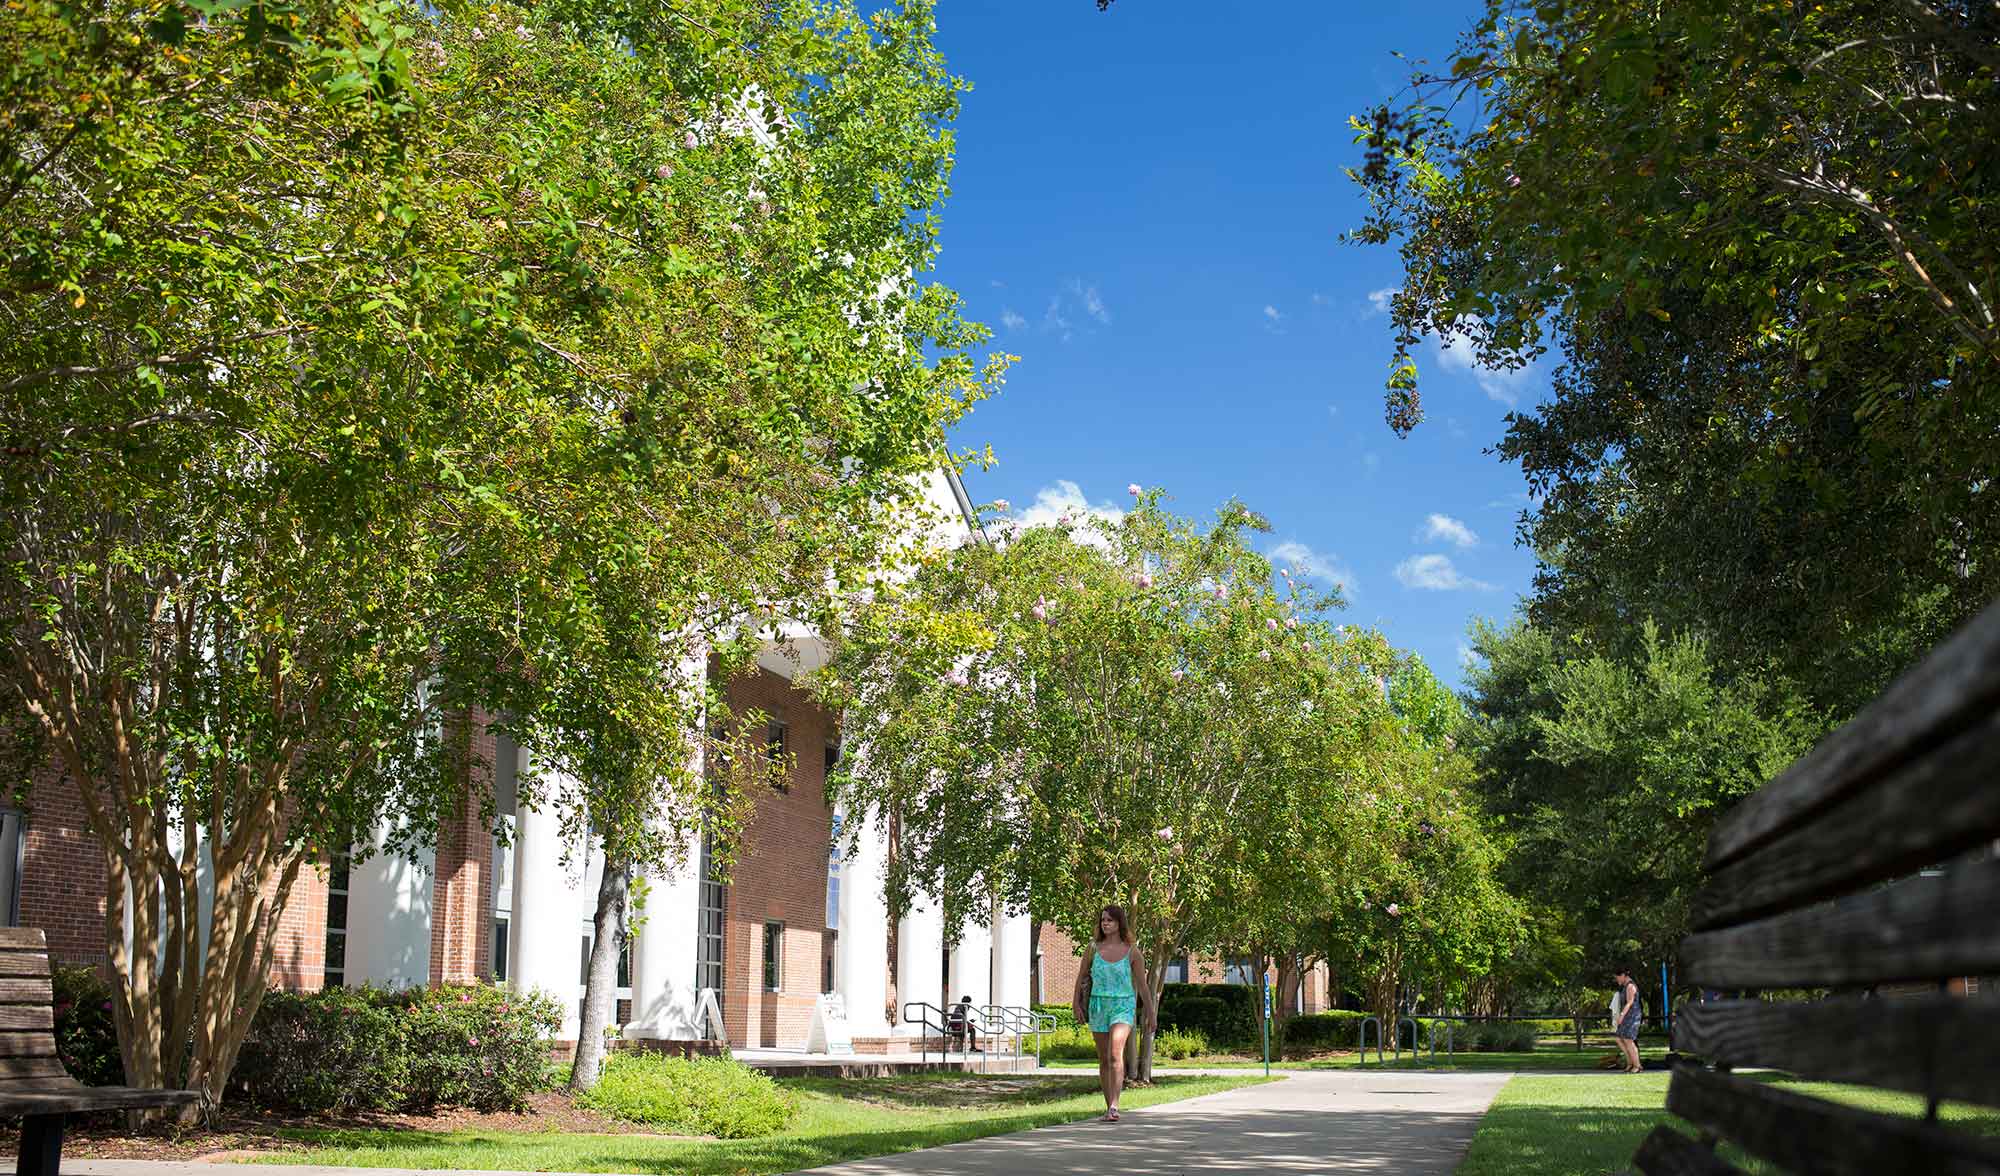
column 1605, row 774
column 1092, row 713
column 323, row 427
column 1765, row 241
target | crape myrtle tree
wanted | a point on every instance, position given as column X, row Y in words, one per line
column 834, row 150
column 1098, row 712
column 362, row 362
column 1764, row 242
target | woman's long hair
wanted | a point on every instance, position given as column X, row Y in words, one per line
column 1117, row 914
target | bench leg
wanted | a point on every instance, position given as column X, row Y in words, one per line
column 41, row 1146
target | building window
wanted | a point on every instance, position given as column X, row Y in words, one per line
column 1177, row 970
column 708, row 924
column 336, row 919
column 11, row 848
column 1240, row 970
column 774, row 956
column 832, row 766
column 500, row 949
column 832, row 952
column 774, row 747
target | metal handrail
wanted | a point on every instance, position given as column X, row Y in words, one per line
column 942, row 1025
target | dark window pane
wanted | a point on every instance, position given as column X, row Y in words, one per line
column 337, row 876
column 499, row 949
column 336, row 910
column 336, row 953
column 334, row 980
column 774, row 938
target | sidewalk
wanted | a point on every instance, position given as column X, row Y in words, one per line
column 1409, row 1123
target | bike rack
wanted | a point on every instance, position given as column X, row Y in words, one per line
column 1377, row 1022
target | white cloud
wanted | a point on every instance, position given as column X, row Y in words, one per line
column 1436, row 573
column 1504, row 386
column 1451, row 530
column 1093, row 304
column 1318, row 565
column 1274, row 319
column 1054, row 320
column 1378, row 300
column 1319, row 299
column 1012, row 319
column 1271, row 312
column 1065, row 497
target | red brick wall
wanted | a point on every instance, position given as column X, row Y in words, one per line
column 1061, row 960
column 62, row 871
column 299, row 961
column 461, row 887
column 781, row 875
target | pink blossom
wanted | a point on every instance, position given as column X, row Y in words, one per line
column 1133, row 490
column 1063, row 519
column 1393, row 911
column 472, row 1041
column 1291, row 622
column 1166, row 834
column 1513, row 181
column 1002, row 504
column 1145, row 580
column 1222, row 592
column 1265, row 654
column 1309, row 647
column 764, row 206
column 691, row 141
column 1179, row 674
column 1270, row 622
column 465, row 998
column 1039, row 613
column 664, row 171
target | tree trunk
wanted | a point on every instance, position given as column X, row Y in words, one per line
column 600, row 993
column 1290, row 977
column 1139, row 1047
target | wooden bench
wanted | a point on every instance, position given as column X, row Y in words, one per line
column 33, row 1082
column 1865, row 868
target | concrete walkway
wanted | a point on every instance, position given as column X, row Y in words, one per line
column 1410, row 1123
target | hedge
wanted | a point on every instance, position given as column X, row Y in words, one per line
column 86, row 1036
column 691, row 1096
column 351, row 1049
column 1225, row 1014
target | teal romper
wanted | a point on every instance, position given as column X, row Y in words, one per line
column 1112, row 1000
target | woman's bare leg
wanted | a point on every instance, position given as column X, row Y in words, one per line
column 1104, row 1068
column 1114, row 1064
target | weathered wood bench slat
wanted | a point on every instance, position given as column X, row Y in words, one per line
column 88, row 1098
column 24, row 963
column 1666, row 1152
column 1958, row 683
column 1922, row 928
column 27, row 1017
column 47, row 1066
column 27, row 1043
column 18, row 991
column 1918, row 1044
column 24, row 939
column 1812, row 1135
column 1861, row 839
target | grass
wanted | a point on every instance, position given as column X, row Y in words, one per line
column 1557, row 1057
column 1584, row 1125
column 838, row 1119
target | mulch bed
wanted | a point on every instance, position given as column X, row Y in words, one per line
column 242, row 1132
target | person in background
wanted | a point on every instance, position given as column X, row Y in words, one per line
column 964, row 1029
column 1625, row 1019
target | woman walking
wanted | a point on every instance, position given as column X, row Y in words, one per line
column 1109, row 998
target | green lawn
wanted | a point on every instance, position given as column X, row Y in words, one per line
column 1585, row 1125
column 1555, row 1059
column 839, row 1119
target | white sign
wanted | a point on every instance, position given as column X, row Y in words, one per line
column 829, row 1033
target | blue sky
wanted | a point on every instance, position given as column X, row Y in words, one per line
column 1147, row 209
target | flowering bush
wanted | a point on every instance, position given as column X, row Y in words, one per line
column 86, row 1036
column 477, row 1046
column 353, row 1049
column 338, row 1050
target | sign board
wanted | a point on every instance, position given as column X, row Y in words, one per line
column 708, row 1016
column 829, row 1033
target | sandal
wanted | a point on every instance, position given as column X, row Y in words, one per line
column 1111, row 1116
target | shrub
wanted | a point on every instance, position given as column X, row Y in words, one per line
column 691, row 1096
column 86, row 1035
column 338, row 1050
column 1071, row 1043
column 478, row 1046
column 1334, row 1029
column 1500, row 1037
column 1065, row 1017
column 1226, row 1014
column 1178, row 1044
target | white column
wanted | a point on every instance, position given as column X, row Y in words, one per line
column 665, row 949
column 861, row 954
column 919, row 958
column 1013, row 959
column 972, row 965
column 544, row 947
